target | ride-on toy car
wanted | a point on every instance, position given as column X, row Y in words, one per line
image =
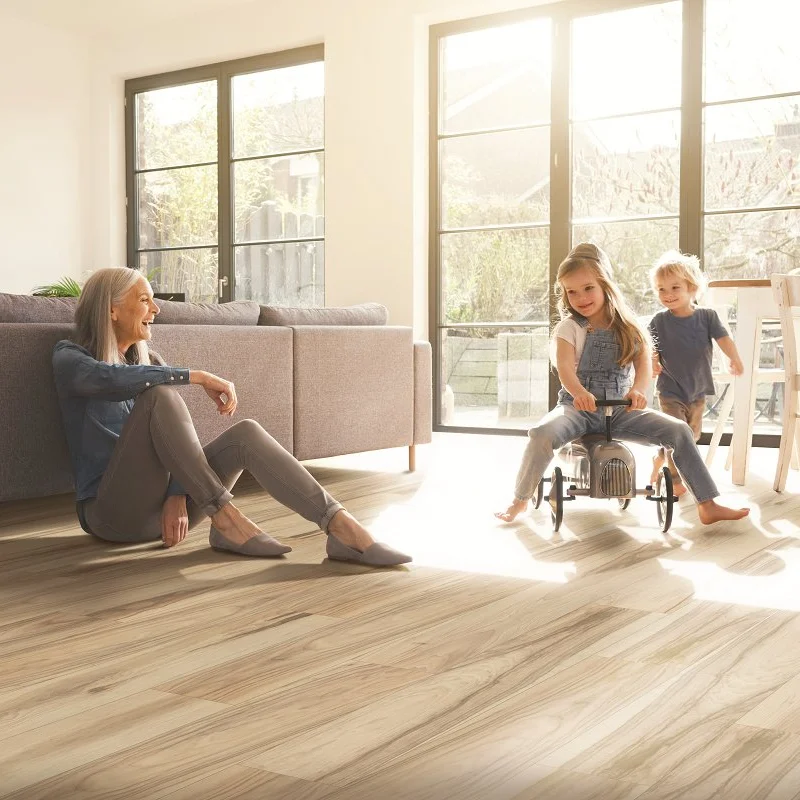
column 602, row 467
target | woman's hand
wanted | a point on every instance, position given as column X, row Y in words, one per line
column 638, row 400
column 584, row 401
column 174, row 520
column 222, row 392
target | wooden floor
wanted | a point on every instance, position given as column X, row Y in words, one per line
column 606, row 663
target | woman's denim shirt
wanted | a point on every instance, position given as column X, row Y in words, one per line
column 96, row 399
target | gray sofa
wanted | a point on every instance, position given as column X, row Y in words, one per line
column 320, row 387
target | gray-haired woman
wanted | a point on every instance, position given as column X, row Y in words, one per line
column 140, row 471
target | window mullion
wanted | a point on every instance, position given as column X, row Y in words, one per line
column 560, row 160
column 691, row 171
column 224, row 197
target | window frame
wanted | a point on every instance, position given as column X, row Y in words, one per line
column 223, row 72
column 691, row 212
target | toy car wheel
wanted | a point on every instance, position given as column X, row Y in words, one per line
column 557, row 498
column 666, row 499
column 624, row 502
column 538, row 494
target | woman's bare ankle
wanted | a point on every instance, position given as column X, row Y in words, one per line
column 348, row 530
column 230, row 521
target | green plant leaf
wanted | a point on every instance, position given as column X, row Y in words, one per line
column 66, row 287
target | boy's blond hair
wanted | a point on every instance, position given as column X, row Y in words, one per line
column 683, row 266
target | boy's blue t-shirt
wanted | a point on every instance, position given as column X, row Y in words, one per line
column 684, row 346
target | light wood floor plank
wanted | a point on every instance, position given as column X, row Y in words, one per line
column 606, row 662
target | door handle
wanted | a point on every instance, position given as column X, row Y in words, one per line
column 223, row 282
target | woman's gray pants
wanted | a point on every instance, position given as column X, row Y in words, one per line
column 564, row 424
column 159, row 441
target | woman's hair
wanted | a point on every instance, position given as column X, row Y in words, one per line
column 682, row 266
column 630, row 334
column 105, row 288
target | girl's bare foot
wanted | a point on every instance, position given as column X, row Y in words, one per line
column 711, row 511
column 234, row 525
column 678, row 487
column 348, row 530
column 658, row 462
column 513, row 511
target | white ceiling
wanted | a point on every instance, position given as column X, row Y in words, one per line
column 94, row 17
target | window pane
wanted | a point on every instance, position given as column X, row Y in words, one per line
column 176, row 126
column 494, row 377
column 626, row 167
column 191, row 271
column 496, row 276
column 752, row 245
column 626, row 61
column 496, row 77
column 278, row 110
column 281, row 274
column 632, row 248
column 279, row 198
column 177, row 207
column 496, row 178
column 751, row 48
column 752, row 154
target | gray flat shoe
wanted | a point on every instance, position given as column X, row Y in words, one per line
column 376, row 555
column 261, row 545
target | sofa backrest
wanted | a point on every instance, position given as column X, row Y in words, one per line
column 34, row 460
column 27, row 308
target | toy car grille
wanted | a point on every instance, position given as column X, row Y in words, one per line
column 615, row 480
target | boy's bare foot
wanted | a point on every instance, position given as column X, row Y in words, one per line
column 711, row 511
column 513, row 511
column 678, row 487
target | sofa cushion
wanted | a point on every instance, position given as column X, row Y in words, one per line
column 239, row 312
column 364, row 314
column 27, row 308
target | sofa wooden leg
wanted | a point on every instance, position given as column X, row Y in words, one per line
column 412, row 458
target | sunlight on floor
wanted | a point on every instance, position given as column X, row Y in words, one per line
column 448, row 523
column 778, row 590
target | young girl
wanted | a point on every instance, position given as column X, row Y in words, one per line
column 603, row 353
column 683, row 334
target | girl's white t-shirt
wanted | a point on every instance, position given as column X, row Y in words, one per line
column 569, row 330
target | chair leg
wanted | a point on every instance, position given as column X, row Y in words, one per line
column 724, row 413
column 412, row 458
column 787, row 438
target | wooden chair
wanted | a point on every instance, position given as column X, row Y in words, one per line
column 724, row 380
column 787, row 296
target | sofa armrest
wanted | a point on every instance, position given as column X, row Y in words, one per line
column 423, row 393
column 353, row 389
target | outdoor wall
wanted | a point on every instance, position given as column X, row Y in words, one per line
column 376, row 126
column 44, row 96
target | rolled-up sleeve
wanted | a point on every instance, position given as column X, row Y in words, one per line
column 80, row 374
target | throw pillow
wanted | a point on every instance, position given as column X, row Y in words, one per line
column 364, row 314
column 238, row 312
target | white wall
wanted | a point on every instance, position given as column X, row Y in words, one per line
column 375, row 124
column 44, row 141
